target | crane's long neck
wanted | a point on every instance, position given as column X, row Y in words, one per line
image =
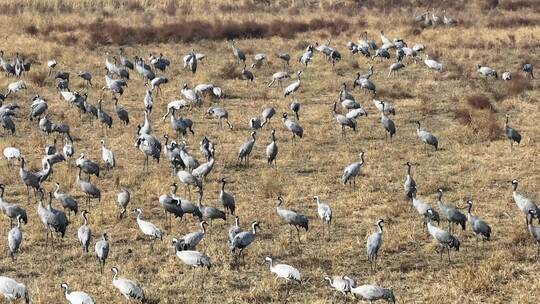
column 203, row 228
column 237, row 222
column 469, row 209
column 1, row 194
column 222, row 186
column 57, row 190
column 380, row 228
column 85, row 219
column 439, row 198
column 409, row 169
column 514, row 187
column 273, row 135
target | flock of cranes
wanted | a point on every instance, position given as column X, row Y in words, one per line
column 194, row 175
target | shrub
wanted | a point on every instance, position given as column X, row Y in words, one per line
column 38, row 78
column 519, row 84
column 480, row 102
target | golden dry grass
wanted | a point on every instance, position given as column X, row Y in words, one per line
column 473, row 160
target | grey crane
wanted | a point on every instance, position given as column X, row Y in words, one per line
column 343, row 121
column 15, row 238
column 150, row 146
column 279, row 77
column 451, row 213
column 226, row 199
column 204, row 169
column 67, row 201
column 51, row 64
column 15, row 87
column 394, row 68
column 13, row 290
column 259, row 60
column 237, row 52
column 293, row 87
column 285, row 57
column 39, row 107
column 129, row 289
column 221, row 114
column 325, row 213
column 511, row 133
column 373, row 245
column 388, row 124
column 157, row 82
column 433, row 64
column 523, row 202
column 410, row 183
column 286, row 272
column 292, row 218
column 528, row 70
column 102, row 251
column 107, row 156
column 206, row 146
column 13, row 211
column 160, row 62
column 143, row 69
column 426, row 137
column 7, row 123
column 478, row 226
column 255, row 123
column 84, row 234
column 192, row 258
column 243, row 239
column 121, row 113
column 76, row 297
column 422, row 209
column 295, row 107
column 30, row 179
column 210, row 212
column 246, row 148
column 90, row 190
column 340, row 283
column 60, row 219
column 534, row 230
column 192, row 239
column 171, row 206
column 235, row 229
column 272, row 150
column 148, row 228
column 247, row 74
column 148, row 100
column 307, row 56
column 87, row 77
column 381, row 53
column 352, row 171
column 293, row 126
column 87, row 166
column 122, row 199
column 486, row 71
column 103, row 117
column 373, row 293
column 46, row 216
column 445, row 239
column 188, row 180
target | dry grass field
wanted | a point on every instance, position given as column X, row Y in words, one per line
column 465, row 111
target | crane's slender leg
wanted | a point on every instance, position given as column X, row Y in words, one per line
column 448, row 251
column 298, row 234
column 193, row 278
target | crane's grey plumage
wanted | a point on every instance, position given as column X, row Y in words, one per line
column 84, row 234
column 245, row 150
column 339, row 283
column 90, row 190
column 272, row 150
column 171, row 206
column 293, row 87
column 30, row 179
column 192, row 258
column 524, row 203
column 13, row 290
column 388, row 124
column 122, row 199
column 60, row 220
column 292, row 218
column 221, row 114
column 210, row 212
column 107, row 156
column 295, row 107
column 148, row 228
column 478, row 226
column 286, row 272
column 279, row 77
column 293, row 126
column 486, row 71
column 15, row 238
column 528, row 69
column 238, row 53
column 102, row 251
column 511, row 133
column 422, row 209
column 121, row 113
column 13, row 211
column 373, row 293
column 226, row 199
column 352, row 171
column 325, row 213
column 343, row 121
column 534, row 230
column 103, row 117
column 66, row 200
column 87, row 166
column 76, row 297
column 255, row 123
column 451, row 213
column 192, row 239
column 188, row 180
column 267, row 114
column 374, row 243
column 235, row 229
column 445, row 239
column 129, row 289
column 243, row 239
column 410, row 183
column 427, row 137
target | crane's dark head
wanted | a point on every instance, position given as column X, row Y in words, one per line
column 285, row 115
column 380, row 222
column 64, row 286
column 408, row 164
column 440, row 190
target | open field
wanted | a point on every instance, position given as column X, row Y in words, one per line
column 463, row 109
